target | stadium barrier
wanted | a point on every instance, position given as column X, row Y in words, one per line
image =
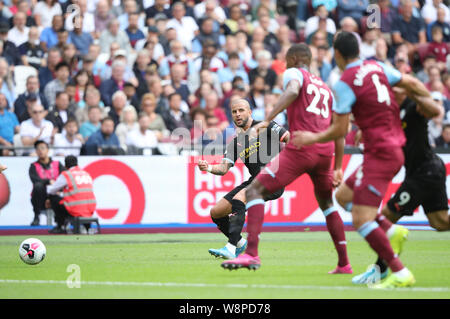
column 169, row 190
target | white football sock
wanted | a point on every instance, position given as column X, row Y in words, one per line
column 231, row 248
column 391, row 231
column 402, row 273
column 241, row 242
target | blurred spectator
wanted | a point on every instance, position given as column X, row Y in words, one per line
column 245, row 53
column 30, row 100
column 115, row 83
column 323, row 66
column 49, row 35
column 133, row 31
column 312, row 24
column 104, row 139
column 199, row 126
column 151, row 43
column 177, row 56
column 32, row 86
column 31, row 52
column 93, row 123
column 142, row 137
column 19, row 33
column 269, row 102
column 408, row 29
column 118, row 55
column 156, row 88
column 8, row 49
column 279, row 64
column 158, row 9
column 251, row 63
column 87, row 23
column 381, row 52
column 428, row 62
column 210, row 9
column 444, row 139
column 60, row 113
column 7, row 82
column 208, row 59
column 114, row 34
column 143, row 60
column 265, row 20
column 48, row 73
column 132, row 99
column 128, row 123
column 368, row 45
column 263, row 69
column 81, row 81
column 212, row 108
column 81, row 39
column 257, row 91
column 430, row 9
column 204, row 90
column 118, row 103
column 62, row 70
column 102, row 17
column 352, row 8
column 185, row 26
column 5, row 13
column 435, row 125
column 69, row 140
column 43, row 172
column 45, row 10
column 387, row 16
column 206, row 33
column 156, row 122
column 175, row 117
column 330, row 5
column 235, row 13
column 438, row 48
column 91, row 98
column 131, row 9
column 229, row 47
column 167, row 37
column 9, row 125
column 401, row 61
column 320, row 39
column 177, row 74
column 36, row 128
column 233, row 69
column 442, row 23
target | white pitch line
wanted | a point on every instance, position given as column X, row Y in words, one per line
column 203, row 285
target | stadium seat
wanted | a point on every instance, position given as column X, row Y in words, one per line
column 77, row 221
column 21, row 73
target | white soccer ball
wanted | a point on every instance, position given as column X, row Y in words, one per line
column 32, row 251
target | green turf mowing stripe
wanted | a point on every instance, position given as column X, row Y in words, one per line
column 204, row 285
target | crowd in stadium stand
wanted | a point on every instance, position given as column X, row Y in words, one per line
column 116, row 77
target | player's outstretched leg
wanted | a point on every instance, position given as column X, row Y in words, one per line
column 377, row 239
column 219, row 215
column 236, row 244
column 255, row 219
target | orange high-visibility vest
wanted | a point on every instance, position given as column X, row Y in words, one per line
column 79, row 198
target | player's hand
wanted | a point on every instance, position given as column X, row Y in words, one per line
column 203, row 165
column 302, row 138
column 358, row 138
column 255, row 130
column 337, row 177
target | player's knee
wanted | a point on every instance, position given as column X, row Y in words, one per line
column 255, row 189
column 340, row 198
column 214, row 212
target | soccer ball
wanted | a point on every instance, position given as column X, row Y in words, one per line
column 32, row 251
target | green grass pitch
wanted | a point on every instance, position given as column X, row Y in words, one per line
column 171, row 266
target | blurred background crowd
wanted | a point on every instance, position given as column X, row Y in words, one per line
column 97, row 77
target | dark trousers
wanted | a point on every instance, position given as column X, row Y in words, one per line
column 39, row 196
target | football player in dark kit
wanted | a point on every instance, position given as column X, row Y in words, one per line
column 425, row 175
column 255, row 152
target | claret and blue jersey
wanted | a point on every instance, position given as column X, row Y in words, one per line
column 365, row 89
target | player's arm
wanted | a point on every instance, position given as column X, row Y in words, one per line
column 427, row 106
column 218, row 169
column 413, row 86
column 338, row 174
column 283, row 134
